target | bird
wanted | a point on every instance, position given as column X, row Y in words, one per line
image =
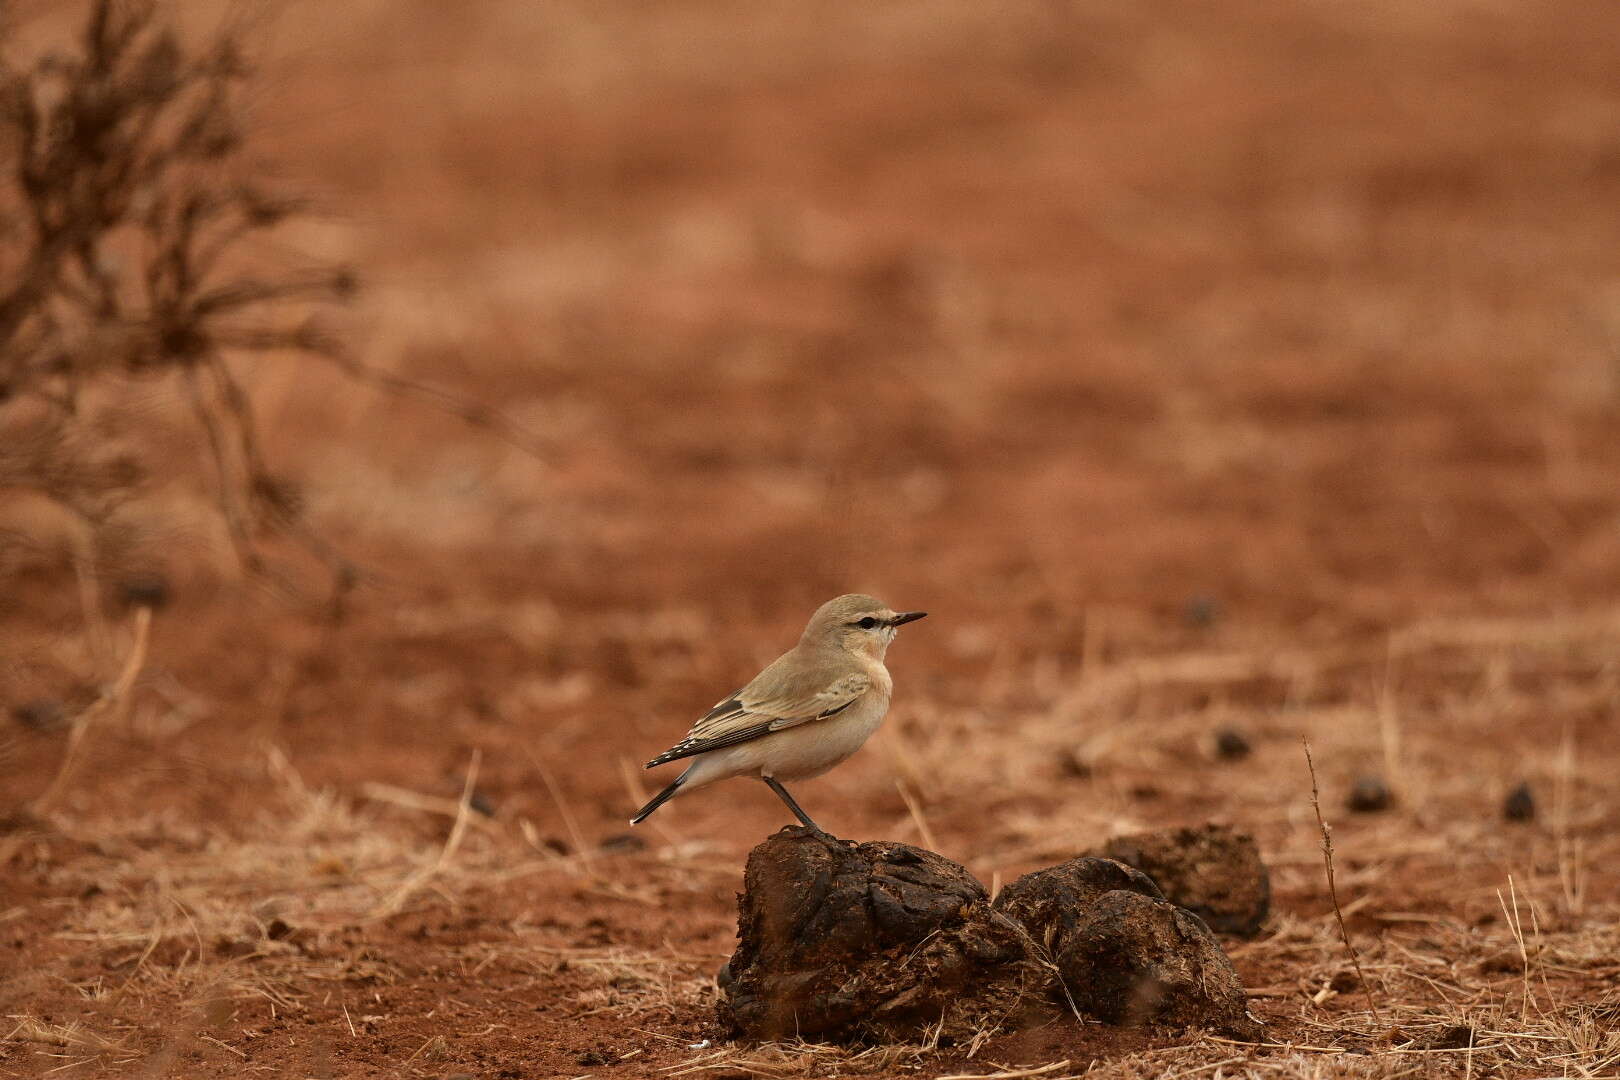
column 811, row 708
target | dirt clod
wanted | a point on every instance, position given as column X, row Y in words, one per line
column 1369, row 795
column 1520, row 804
column 1214, row 871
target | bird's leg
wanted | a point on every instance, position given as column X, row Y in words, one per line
column 803, row 817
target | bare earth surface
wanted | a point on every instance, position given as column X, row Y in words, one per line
column 1245, row 366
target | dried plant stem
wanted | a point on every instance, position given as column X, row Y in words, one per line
column 1011, row 1074
column 575, row 833
column 1333, row 888
column 113, row 700
column 396, row 900
column 915, row 808
column 411, row 800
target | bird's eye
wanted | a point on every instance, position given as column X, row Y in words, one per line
column 867, row 623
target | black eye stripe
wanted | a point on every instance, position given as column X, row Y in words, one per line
column 866, row 624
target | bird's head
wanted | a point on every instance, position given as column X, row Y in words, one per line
column 858, row 624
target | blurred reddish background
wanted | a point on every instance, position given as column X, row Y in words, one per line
column 1098, row 330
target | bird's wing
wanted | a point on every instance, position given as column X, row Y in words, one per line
column 748, row 715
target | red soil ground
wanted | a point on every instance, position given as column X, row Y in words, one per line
column 1196, row 366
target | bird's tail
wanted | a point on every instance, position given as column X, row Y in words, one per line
column 658, row 800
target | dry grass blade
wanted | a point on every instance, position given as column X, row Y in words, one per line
column 1014, row 1073
column 570, row 822
column 413, row 800
column 915, row 809
column 70, row 1035
column 396, row 900
column 113, row 702
column 1333, row 888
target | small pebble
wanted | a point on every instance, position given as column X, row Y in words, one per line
column 1072, row 765
column 1201, row 612
column 624, row 842
column 1520, row 804
column 41, row 714
column 1369, row 795
column 1232, row 744
column 481, row 804
column 149, row 590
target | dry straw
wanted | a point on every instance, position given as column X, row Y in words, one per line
column 1333, row 888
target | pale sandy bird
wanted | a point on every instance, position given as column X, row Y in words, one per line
column 809, row 710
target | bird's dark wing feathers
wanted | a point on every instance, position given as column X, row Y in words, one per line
column 688, row 747
column 727, row 723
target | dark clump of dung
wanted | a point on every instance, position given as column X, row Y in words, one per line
column 1133, row 959
column 1057, row 896
column 1520, row 804
column 887, row 941
column 1369, row 795
column 1232, row 745
column 1125, row 954
column 878, row 940
column 1214, row 871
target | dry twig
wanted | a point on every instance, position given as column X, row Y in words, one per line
column 1333, row 888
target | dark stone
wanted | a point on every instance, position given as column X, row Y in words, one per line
column 1231, row 744
column 1201, row 612
column 1369, row 795
column 1071, row 765
column 1520, row 804
column 1133, row 959
column 624, row 843
column 1213, row 871
column 879, row 940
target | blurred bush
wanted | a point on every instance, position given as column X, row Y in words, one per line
column 124, row 203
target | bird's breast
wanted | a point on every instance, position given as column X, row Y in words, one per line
column 811, row 749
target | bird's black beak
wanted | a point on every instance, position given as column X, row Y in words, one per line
column 906, row 616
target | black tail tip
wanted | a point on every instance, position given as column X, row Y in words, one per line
column 657, row 800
